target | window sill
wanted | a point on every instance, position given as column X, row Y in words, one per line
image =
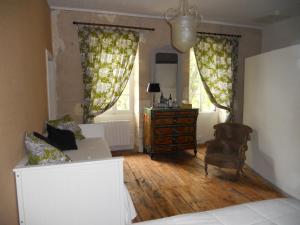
column 112, row 117
column 207, row 112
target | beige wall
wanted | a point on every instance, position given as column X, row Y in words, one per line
column 25, row 33
column 281, row 34
column 69, row 73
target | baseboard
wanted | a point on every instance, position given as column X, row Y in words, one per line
column 269, row 182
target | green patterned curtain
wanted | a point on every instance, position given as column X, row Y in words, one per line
column 217, row 60
column 107, row 57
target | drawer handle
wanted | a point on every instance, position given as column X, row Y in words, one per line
column 174, row 140
column 175, row 120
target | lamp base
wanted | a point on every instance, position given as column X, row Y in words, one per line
column 153, row 100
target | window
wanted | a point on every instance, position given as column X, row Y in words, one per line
column 197, row 94
column 125, row 104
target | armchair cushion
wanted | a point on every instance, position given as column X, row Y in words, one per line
column 222, row 146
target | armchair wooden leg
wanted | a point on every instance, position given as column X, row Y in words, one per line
column 205, row 167
column 238, row 173
column 242, row 170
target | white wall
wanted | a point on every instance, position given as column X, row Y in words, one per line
column 272, row 109
column 205, row 123
column 281, row 34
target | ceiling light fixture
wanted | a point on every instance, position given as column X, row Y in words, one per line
column 183, row 21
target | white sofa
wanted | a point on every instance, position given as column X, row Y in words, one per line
column 88, row 190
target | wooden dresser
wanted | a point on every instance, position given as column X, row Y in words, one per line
column 168, row 130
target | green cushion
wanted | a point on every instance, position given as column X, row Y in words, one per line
column 67, row 123
column 42, row 153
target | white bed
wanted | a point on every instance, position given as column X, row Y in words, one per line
column 89, row 190
column 284, row 211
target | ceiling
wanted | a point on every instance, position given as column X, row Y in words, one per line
column 256, row 13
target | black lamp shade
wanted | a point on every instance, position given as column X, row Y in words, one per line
column 153, row 87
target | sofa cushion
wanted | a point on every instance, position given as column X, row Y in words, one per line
column 91, row 149
column 62, row 139
column 42, row 153
column 42, row 137
column 67, row 123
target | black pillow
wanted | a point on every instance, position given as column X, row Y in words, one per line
column 62, row 139
column 42, row 137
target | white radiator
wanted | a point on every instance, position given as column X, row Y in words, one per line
column 119, row 134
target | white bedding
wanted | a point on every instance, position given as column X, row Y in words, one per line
column 284, row 211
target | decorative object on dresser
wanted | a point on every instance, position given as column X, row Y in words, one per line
column 167, row 130
column 153, row 88
column 228, row 148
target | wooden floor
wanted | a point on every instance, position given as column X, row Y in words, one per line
column 176, row 184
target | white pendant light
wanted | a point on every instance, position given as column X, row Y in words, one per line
column 183, row 22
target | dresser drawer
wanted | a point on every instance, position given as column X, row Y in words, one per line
column 184, row 120
column 173, row 130
column 163, row 121
column 185, row 139
column 168, row 148
column 164, row 148
column 173, row 121
column 175, row 113
column 169, row 140
column 185, row 146
column 164, row 140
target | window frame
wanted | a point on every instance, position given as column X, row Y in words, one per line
column 201, row 89
column 113, row 110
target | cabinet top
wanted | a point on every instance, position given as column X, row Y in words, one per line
column 169, row 109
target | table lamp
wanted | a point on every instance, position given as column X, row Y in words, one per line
column 153, row 88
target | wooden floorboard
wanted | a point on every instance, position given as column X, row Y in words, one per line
column 173, row 184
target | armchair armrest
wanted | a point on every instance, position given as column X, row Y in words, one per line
column 242, row 150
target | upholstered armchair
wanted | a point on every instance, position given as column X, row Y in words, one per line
column 228, row 148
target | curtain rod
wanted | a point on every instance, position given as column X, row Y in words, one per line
column 226, row 35
column 112, row 25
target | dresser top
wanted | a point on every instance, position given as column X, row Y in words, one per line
column 170, row 109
